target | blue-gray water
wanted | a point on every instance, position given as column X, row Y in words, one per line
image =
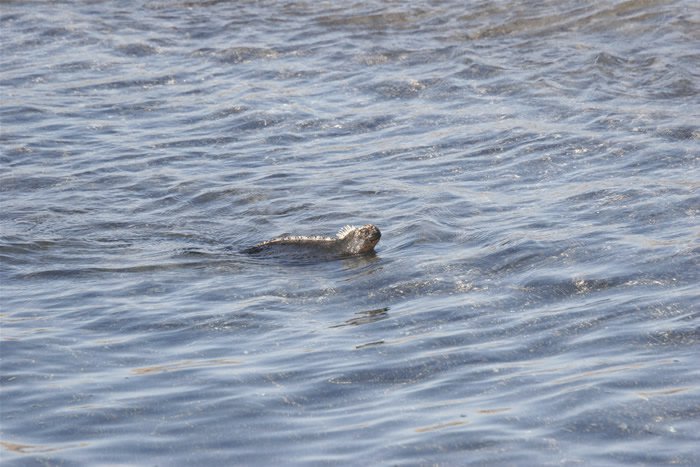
column 534, row 170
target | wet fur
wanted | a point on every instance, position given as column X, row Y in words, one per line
column 350, row 240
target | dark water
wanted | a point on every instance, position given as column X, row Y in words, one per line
column 534, row 171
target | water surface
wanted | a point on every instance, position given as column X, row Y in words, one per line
column 533, row 169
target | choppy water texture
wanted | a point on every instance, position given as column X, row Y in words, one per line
column 533, row 168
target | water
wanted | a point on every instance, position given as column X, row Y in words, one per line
column 533, row 169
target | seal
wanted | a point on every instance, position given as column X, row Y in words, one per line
column 349, row 240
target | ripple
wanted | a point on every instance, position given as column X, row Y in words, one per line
column 532, row 300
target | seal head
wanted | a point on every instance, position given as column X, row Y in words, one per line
column 358, row 240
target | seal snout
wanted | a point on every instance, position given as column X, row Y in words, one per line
column 373, row 233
